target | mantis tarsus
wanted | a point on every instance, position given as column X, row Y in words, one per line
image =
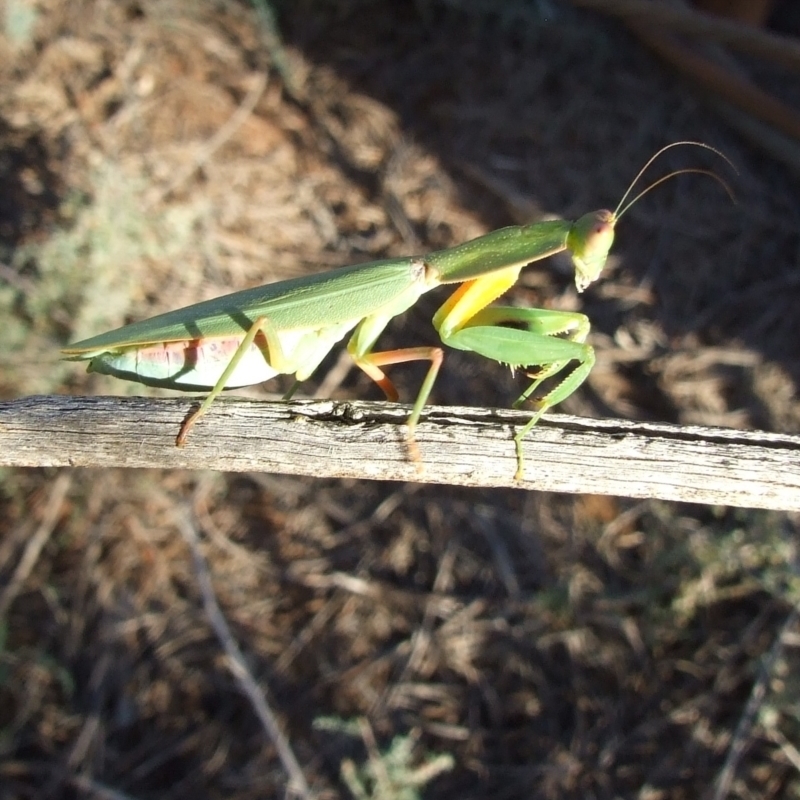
column 289, row 327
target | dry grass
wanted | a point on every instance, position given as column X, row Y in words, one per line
column 474, row 643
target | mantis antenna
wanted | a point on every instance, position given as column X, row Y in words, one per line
column 623, row 207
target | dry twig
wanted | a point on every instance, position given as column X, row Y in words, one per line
column 236, row 662
column 742, row 739
column 782, row 50
column 37, row 542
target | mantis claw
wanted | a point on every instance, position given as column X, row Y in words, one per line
column 414, row 453
column 416, row 456
column 187, row 425
column 520, row 471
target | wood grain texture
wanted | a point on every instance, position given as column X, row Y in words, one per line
column 459, row 446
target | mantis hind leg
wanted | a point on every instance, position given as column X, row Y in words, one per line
column 272, row 353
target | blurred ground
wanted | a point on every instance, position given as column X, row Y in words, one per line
column 153, row 154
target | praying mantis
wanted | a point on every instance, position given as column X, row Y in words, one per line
column 290, row 326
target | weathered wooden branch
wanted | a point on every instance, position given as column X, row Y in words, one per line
column 461, row 446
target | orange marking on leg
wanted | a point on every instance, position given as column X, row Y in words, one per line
column 380, row 377
column 371, row 364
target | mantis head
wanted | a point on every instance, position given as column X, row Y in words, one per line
column 588, row 241
column 590, row 238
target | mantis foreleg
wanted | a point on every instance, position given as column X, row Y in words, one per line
column 548, row 339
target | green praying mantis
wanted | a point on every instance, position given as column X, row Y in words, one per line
column 289, row 327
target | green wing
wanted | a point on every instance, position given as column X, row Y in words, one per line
column 307, row 303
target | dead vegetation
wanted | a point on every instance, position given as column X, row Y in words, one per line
column 477, row 643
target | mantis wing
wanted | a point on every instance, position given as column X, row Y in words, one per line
column 310, row 303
